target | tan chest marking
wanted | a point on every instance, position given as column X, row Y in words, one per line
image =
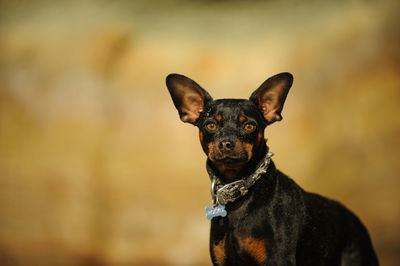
column 255, row 248
column 219, row 252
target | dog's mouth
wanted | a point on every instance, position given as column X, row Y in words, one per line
column 229, row 166
column 229, row 160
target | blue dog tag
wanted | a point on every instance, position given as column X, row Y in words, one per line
column 215, row 211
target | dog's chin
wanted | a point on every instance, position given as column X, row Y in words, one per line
column 229, row 167
column 230, row 161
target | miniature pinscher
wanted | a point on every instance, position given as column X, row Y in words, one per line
column 259, row 215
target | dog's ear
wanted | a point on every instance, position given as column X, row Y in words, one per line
column 271, row 96
column 189, row 98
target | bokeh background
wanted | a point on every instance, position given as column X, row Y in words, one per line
column 97, row 169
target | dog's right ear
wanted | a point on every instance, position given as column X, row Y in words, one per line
column 189, row 98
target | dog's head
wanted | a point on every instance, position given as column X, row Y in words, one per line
column 231, row 130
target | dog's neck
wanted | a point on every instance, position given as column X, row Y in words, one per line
column 233, row 173
column 223, row 192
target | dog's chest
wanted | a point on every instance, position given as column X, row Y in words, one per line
column 235, row 238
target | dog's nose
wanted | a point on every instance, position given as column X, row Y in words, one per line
column 226, row 145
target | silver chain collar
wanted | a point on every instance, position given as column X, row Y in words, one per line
column 224, row 193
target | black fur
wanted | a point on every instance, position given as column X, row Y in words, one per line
column 277, row 222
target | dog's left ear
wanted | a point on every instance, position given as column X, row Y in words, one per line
column 271, row 96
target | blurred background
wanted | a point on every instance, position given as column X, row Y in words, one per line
column 97, row 169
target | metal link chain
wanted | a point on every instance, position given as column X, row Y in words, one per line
column 223, row 194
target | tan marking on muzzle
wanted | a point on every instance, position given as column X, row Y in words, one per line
column 210, row 150
column 249, row 150
column 259, row 137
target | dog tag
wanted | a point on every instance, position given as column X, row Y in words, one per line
column 215, row 211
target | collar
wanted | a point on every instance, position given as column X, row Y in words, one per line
column 224, row 193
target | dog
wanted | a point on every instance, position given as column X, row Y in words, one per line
column 259, row 215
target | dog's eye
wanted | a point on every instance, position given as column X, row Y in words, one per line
column 211, row 126
column 249, row 127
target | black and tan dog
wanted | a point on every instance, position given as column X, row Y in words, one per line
column 260, row 216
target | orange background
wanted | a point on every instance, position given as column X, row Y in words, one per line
column 96, row 167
